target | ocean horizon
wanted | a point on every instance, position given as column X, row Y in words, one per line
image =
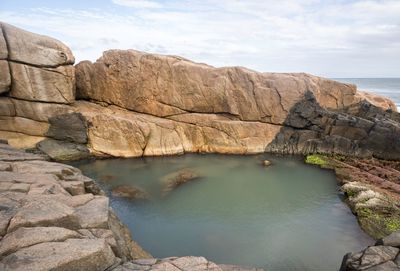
column 388, row 87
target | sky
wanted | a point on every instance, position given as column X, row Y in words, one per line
column 322, row 37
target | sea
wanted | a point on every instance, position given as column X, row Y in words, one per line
column 388, row 87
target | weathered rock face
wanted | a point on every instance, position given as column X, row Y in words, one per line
column 164, row 85
column 37, row 82
column 40, row 68
column 140, row 104
column 176, row 106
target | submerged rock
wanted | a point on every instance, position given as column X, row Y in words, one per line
column 129, row 191
column 178, row 178
column 267, row 163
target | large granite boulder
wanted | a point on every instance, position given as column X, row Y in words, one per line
column 165, row 85
column 40, row 67
column 161, row 105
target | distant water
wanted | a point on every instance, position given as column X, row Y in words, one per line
column 288, row 216
column 389, row 87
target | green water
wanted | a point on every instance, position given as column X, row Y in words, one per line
column 288, row 216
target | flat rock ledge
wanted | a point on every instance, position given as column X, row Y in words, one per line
column 54, row 218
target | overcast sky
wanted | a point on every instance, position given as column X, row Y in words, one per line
column 323, row 37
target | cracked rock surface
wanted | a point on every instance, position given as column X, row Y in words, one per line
column 51, row 218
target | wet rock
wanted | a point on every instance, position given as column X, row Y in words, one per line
column 127, row 248
column 129, row 191
column 178, row 178
column 63, row 151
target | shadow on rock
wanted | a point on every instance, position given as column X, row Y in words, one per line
column 362, row 130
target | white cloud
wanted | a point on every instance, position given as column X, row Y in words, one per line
column 330, row 38
column 137, row 3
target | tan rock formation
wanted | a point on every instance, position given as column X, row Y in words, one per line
column 5, row 79
column 43, row 84
column 169, row 105
column 34, row 49
column 166, row 85
column 141, row 104
column 37, row 72
column 377, row 100
column 39, row 67
column 119, row 132
column 3, row 46
column 38, row 111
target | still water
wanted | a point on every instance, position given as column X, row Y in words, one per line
column 288, row 216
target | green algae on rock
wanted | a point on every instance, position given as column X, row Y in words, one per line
column 371, row 191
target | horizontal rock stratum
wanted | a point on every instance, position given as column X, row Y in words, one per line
column 130, row 104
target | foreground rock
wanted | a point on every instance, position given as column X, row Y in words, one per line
column 384, row 256
column 180, row 264
column 54, row 218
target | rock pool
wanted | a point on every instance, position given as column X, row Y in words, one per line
column 288, row 216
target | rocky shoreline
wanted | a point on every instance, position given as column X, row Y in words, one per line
column 54, row 218
column 131, row 104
